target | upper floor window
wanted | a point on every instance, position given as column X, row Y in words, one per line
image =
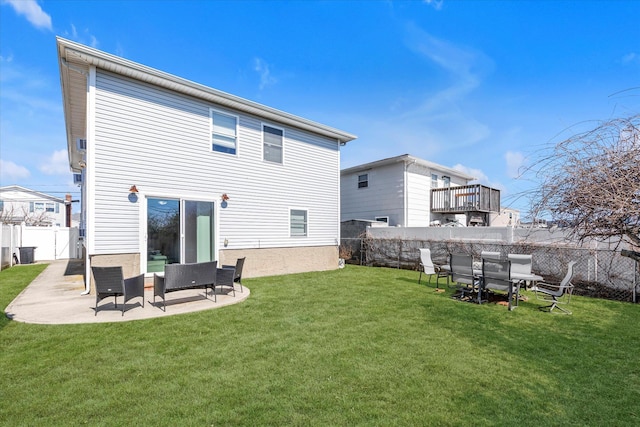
column 446, row 181
column 434, row 180
column 224, row 132
column 1, row 205
column 44, row 207
column 298, row 222
column 272, row 143
column 363, row 180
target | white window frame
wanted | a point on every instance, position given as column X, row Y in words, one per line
column 306, row 223
column 365, row 182
column 213, row 111
column 265, row 144
column 434, row 180
column 446, row 181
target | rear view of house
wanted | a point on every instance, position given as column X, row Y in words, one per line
column 172, row 171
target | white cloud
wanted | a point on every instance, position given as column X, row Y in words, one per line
column 32, row 11
column 476, row 173
column 479, row 175
column 442, row 117
column 464, row 65
column 437, row 4
column 84, row 37
column 57, row 164
column 515, row 161
column 11, row 172
column 266, row 78
column 631, row 58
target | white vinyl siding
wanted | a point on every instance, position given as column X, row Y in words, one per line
column 419, row 199
column 161, row 142
column 385, row 197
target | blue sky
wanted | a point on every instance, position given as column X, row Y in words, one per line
column 475, row 85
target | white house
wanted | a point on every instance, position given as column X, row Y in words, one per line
column 23, row 205
column 174, row 171
column 411, row 192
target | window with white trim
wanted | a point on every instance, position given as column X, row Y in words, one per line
column 434, row 180
column 272, row 142
column 43, row 207
column 363, row 180
column 446, row 181
column 224, row 132
column 298, row 222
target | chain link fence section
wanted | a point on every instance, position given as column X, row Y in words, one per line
column 598, row 273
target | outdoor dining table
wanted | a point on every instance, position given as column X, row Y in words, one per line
column 515, row 277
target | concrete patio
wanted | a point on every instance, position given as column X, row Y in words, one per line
column 54, row 298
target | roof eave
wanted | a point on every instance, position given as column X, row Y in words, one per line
column 406, row 158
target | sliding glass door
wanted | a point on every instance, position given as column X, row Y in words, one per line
column 179, row 231
column 198, row 231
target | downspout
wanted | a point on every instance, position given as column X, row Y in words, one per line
column 339, row 239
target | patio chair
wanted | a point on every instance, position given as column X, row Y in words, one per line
column 429, row 269
column 109, row 281
column 496, row 275
column 521, row 265
column 229, row 275
column 557, row 294
column 462, row 275
column 238, row 271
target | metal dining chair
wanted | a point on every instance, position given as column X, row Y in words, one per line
column 462, row 275
column 496, row 275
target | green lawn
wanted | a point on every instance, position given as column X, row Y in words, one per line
column 358, row 346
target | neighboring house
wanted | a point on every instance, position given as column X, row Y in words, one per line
column 173, row 171
column 506, row 218
column 21, row 205
column 411, row 192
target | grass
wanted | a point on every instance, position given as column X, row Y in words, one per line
column 358, row 346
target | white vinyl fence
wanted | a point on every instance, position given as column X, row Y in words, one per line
column 48, row 243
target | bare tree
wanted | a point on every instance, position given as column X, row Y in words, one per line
column 590, row 183
column 11, row 215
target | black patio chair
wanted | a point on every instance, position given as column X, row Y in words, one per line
column 237, row 276
column 109, row 281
